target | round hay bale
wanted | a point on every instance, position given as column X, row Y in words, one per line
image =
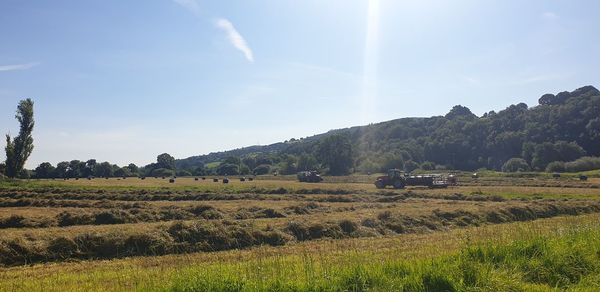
column 196, row 179
column 203, row 178
column 225, row 180
column 172, row 180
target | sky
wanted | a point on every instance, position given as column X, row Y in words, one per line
column 123, row 81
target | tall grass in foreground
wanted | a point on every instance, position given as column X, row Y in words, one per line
column 565, row 261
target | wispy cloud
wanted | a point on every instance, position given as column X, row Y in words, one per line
column 190, row 5
column 18, row 66
column 235, row 38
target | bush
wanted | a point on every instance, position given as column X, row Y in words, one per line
column 515, row 165
column 410, row 165
column 183, row 173
column 262, row 169
column 428, row 165
column 555, row 166
column 583, row 164
column 228, row 169
column 162, row 172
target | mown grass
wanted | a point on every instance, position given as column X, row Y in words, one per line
column 558, row 253
column 565, row 261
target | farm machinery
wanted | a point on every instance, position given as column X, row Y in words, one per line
column 399, row 179
column 309, row 176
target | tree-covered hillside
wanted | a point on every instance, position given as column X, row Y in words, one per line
column 562, row 127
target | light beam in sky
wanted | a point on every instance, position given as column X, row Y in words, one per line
column 369, row 86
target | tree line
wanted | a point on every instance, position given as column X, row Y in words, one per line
column 562, row 128
column 561, row 133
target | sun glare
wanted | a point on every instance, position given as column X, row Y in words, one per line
column 369, row 87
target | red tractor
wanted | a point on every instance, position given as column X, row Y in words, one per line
column 398, row 179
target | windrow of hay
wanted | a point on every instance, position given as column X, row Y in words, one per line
column 185, row 237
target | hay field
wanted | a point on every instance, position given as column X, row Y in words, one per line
column 274, row 233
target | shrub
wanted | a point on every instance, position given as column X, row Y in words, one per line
column 583, row 164
column 410, row 165
column 555, row 166
column 183, row 173
column 428, row 165
column 262, row 169
column 515, row 165
column 162, row 172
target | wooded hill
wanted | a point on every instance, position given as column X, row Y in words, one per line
column 562, row 127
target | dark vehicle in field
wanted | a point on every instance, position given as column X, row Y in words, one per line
column 309, row 176
column 399, row 180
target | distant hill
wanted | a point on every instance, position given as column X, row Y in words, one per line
column 562, row 127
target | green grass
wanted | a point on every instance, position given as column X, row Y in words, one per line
column 569, row 261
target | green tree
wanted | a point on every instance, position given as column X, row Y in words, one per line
column 165, row 160
column 289, row 165
column 336, row 153
column 262, row 169
column 61, row 169
column 307, row 162
column 19, row 149
column 89, row 168
column 123, row 172
column 45, row 170
column 133, row 169
column 244, row 169
column 104, row 169
column 228, row 169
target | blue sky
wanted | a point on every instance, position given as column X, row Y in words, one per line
column 124, row 81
